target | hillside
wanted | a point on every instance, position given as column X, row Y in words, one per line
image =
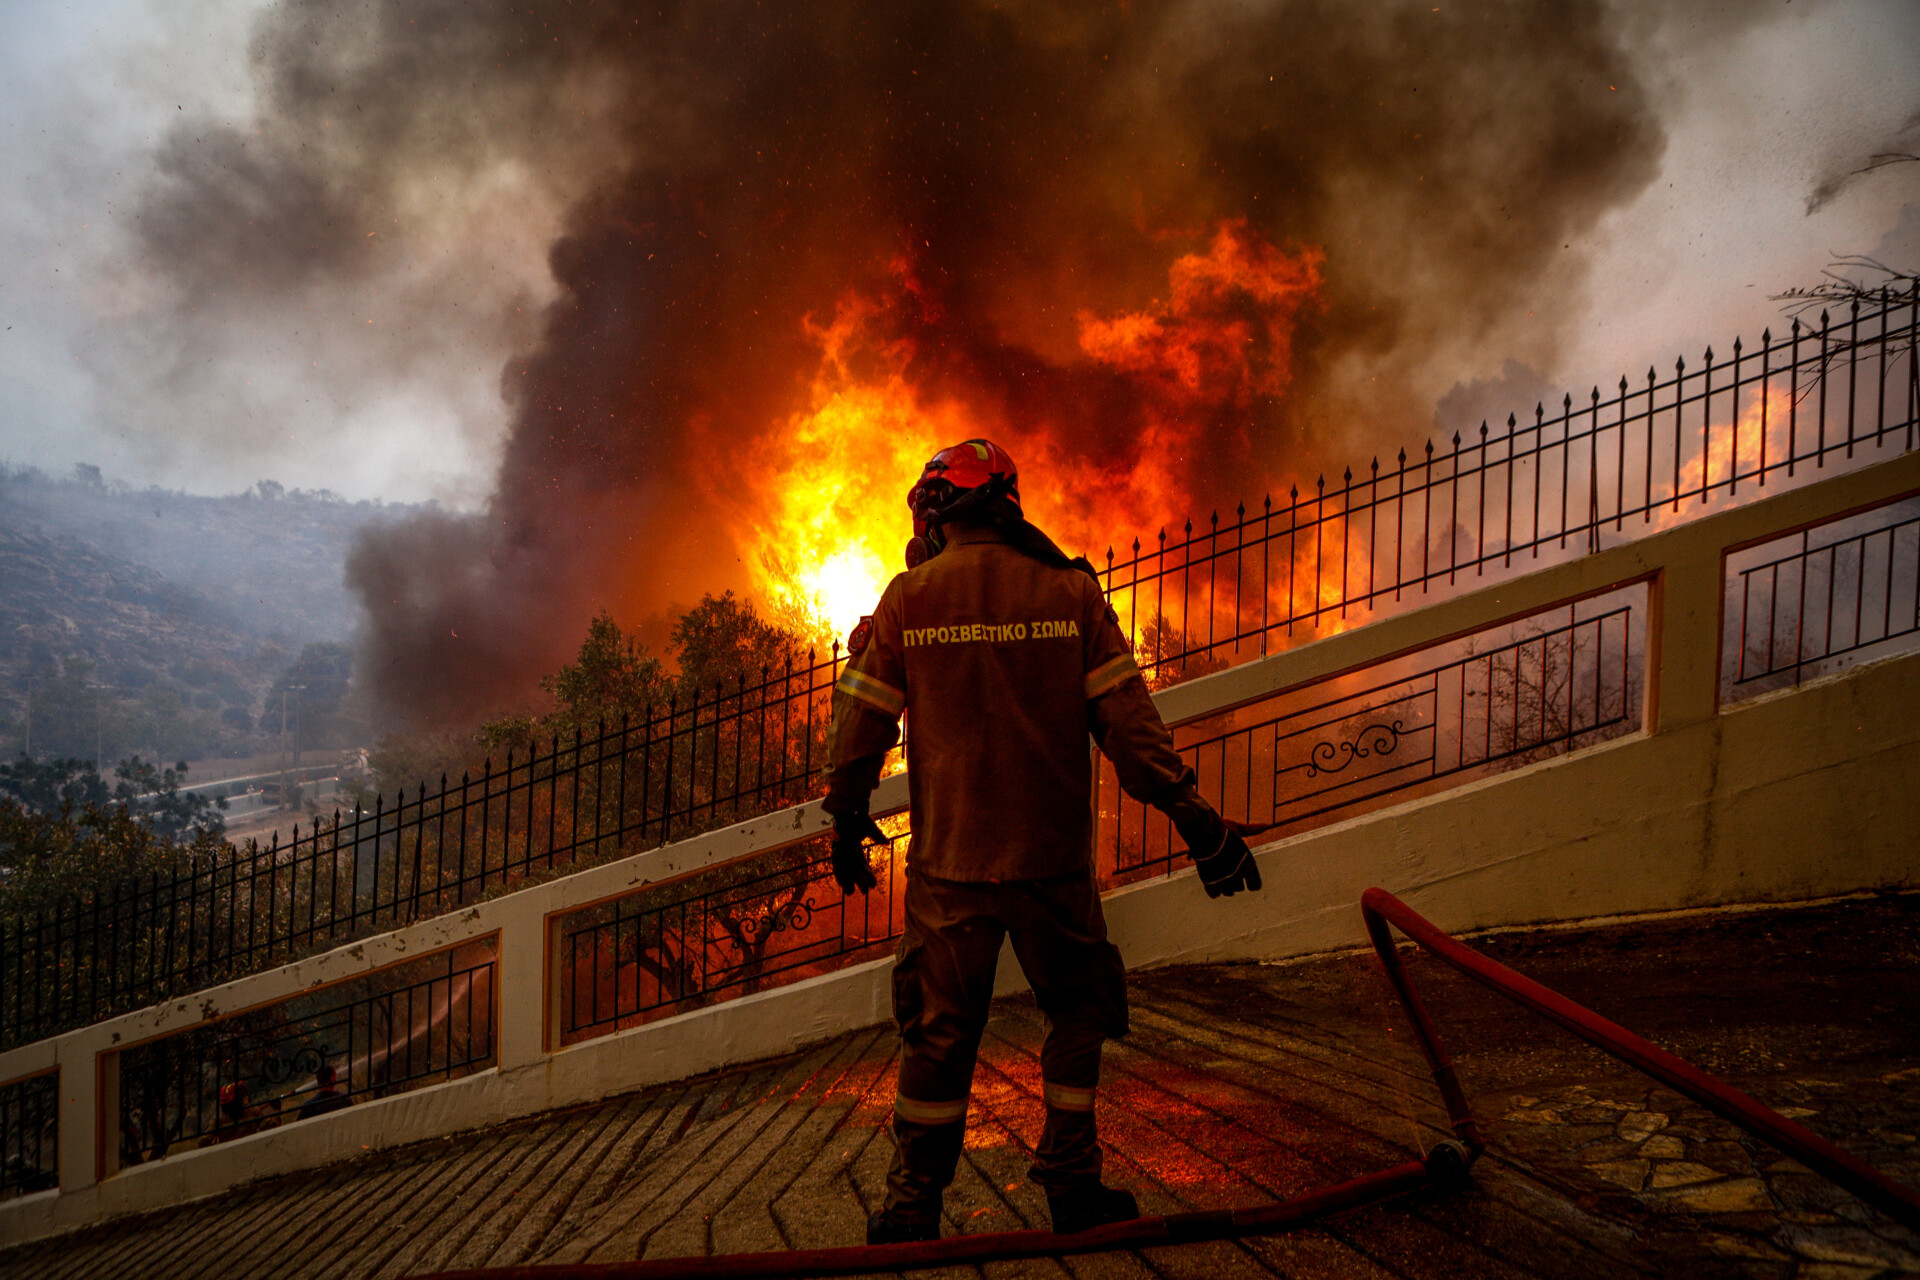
column 159, row 622
column 271, row 559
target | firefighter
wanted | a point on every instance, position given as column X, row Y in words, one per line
column 1008, row 656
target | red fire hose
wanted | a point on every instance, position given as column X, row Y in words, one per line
column 1380, row 908
column 1446, row 1164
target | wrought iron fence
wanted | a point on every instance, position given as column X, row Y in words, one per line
column 1585, row 473
column 1304, row 758
column 427, row 1020
column 30, row 1135
column 725, row 755
column 1562, row 485
column 1308, row 757
column 1821, row 599
column 738, row 929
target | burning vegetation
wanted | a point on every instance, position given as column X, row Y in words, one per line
column 827, row 517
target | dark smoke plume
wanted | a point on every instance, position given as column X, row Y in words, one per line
column 990, row 171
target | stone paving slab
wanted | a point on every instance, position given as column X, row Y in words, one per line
column 1239, row 1084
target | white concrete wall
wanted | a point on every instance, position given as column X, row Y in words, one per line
column 1802, row 794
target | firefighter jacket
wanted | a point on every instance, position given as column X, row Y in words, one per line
column 1004, row 665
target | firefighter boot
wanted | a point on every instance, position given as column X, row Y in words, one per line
column 1068, row 1166
column 924, row 1159
column 896, row 1226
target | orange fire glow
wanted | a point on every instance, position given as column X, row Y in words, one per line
column 829, row 522
column 1763, row 432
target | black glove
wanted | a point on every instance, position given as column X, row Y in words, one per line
column 1228, row 869
column 851, row 831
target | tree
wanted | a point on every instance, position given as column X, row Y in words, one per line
column 154, row 794
column 315, row 687
column 46, row 786
column 720, row 640
column 613, row 675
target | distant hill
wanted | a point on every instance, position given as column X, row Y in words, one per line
column 159, row 622
column 272, row 558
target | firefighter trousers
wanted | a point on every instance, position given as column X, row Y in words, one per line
column 942, row 987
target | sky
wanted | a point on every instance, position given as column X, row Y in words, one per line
column 326, row 394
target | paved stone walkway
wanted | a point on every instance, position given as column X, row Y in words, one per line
column 1238, row 1085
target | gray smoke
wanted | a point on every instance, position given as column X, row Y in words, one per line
column 725, row 169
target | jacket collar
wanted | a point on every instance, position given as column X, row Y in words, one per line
column 966, row 535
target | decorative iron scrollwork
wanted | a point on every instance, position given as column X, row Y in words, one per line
column 1374, row 740
column 305, row 1061
column 795, row 915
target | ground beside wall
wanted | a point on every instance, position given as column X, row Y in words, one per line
column 1240, row 1083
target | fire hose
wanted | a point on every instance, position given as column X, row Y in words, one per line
column 1447, row 1164
column 1381, row 909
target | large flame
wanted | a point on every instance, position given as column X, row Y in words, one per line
column 828, row 522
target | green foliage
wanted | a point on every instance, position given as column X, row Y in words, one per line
column 720, row 640
column 613, row 675
column 61, row 833
column 154, row 794
column 322, row 672
column 146, row 793
column 47, row 785
column 716, row 645
column 314, row 692
column 78, row 850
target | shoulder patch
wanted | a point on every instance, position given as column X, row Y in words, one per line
column 861, row 635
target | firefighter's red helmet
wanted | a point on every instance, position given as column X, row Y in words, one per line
column 973, row 476
column 969, row 476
